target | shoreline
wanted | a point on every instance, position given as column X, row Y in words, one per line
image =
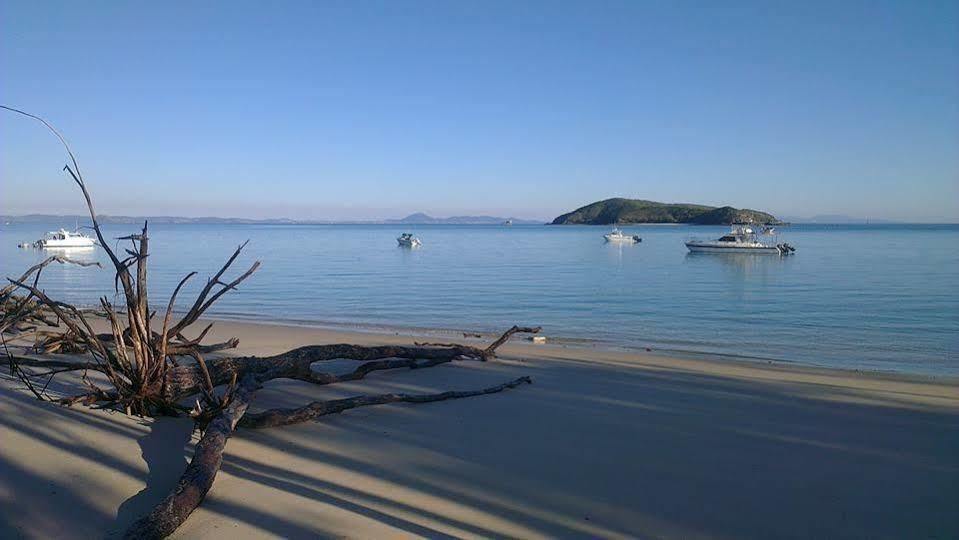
column 583, row 344
column 654, row 359
column 553, row 340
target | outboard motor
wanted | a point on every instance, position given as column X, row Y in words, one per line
column 785, row 249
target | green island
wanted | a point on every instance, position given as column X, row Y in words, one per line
column 622, row 211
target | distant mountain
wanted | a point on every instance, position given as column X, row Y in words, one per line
column 613, row 211
column 420, row 218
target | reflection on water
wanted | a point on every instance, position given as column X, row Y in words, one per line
column 617, row 249
column 66, row 277
column 741, row 273
column 77, row 253
column 875, row 298
column 738, row 263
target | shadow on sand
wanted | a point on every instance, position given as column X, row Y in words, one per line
column 587, row 451
column 163, row 449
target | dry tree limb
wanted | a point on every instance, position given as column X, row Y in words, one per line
column 169, row 314
column 202, row 303
column 297, row 363
column 91, row 397
column 283, row 417
column 18, row 372
column 40, row 266
column 23, row 313
column 51, row 363
column 73, row 318
column 506, row 335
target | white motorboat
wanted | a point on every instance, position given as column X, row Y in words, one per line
column 742, row 238
column 408, row 240
column 617, row 235
column 65, row 239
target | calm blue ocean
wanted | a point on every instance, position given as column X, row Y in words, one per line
column 883, row 297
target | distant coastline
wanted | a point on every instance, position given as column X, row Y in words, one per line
column 412, row 219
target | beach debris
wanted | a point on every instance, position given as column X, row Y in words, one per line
column 538, row 339
column 153, row 373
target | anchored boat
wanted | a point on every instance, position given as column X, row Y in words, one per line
column 742, row 238
column 408, row 240
column 65, row 239
column 618, row 236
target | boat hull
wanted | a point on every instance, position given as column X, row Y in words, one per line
column 706, row 248
column 70, row 243
column 613, row 239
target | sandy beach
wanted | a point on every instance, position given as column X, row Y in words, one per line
column 603, row 444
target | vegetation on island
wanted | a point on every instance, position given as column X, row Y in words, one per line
column 623, row 211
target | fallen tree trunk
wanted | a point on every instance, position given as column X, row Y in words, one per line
column 200, row 473
column 297, row 364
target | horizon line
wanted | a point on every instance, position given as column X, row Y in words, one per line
column 848, row 220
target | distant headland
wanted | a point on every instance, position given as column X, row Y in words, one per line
column 623, row 211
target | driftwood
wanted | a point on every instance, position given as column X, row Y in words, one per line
column 153, row 369
column 198, row 477
column 283, row 417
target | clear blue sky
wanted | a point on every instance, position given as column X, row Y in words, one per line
column 377, row 109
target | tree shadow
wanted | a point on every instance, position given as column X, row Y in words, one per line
column 696, row 454
column 163, row 449
column 32, row 512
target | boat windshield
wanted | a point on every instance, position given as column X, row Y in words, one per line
column 728, row 238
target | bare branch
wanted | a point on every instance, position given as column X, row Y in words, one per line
column 491, row 350
column 283, row 417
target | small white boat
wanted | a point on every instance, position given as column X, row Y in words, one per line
column 408, row 240
column 741, row 239
column 617, row 235
column 65, row 239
